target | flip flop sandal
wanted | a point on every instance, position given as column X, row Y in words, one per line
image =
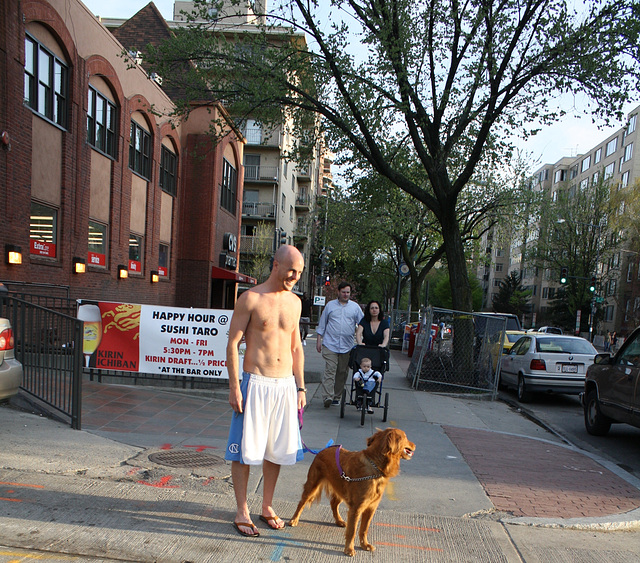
column 271, row 520
column 255, row 534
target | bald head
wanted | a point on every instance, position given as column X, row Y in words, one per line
column 288, row 264
column 287, row 253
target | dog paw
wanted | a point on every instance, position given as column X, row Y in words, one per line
column 341, row 523
column 368, row 547
column 293, row 523
column 349, row 551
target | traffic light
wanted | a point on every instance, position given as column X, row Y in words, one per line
column 327, row 280
column 283, row 238
column 592, row 285
column 564, row 274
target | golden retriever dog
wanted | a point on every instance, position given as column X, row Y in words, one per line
column 357, row 478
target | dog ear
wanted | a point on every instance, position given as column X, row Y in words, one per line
column 394, row 441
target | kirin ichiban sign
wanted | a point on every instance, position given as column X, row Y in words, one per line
column 159, row 340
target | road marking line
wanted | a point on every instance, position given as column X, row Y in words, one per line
column 22, row 485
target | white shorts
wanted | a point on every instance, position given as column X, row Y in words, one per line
column 270, row 428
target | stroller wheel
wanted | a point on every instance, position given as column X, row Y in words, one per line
column 363, row 412
column 343, row 400
column 386, row 407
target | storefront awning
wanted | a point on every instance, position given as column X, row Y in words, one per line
column 222, row 274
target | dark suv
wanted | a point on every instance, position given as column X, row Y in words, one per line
column 612, row 388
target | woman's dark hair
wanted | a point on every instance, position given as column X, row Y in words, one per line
column 367, row 312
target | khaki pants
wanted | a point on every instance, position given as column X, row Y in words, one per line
column 335, row 373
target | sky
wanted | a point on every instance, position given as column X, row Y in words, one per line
column 571, row 136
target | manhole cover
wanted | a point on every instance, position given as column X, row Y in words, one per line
column 186, row 459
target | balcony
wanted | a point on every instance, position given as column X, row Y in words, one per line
column 303, row 201
column 258, row 210
column 304, row 171
column 256, row 245
column 301, row 233
column 255, row 136
column 259, row 173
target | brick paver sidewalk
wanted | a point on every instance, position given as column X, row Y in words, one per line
column 528, row 477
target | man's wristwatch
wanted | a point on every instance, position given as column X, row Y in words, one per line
column 302, row 389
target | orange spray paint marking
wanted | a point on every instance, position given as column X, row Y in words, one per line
column 166, row 447
column 202, row 448
column 10, row 499
column 407, row 527
column 22, row 485
column 208, row 480
column 162, row 484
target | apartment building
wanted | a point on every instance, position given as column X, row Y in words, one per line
column 102, row 196
column 279, row 195
column 617, row 159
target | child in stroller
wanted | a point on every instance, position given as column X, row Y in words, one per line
column 378, row 359
column 366, row 382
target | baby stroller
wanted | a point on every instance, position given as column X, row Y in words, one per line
column 380, row 362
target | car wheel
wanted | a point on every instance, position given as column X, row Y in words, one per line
column 523, row 394
column 596, row 423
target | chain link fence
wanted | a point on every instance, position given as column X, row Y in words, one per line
column 457, row 352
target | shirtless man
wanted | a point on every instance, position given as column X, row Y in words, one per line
column 264, row 428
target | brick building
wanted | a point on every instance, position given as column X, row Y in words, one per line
column 94, row 173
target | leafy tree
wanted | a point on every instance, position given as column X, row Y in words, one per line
column 511, row 297
column 262, row 241
column 440, row 295
column 447, row 81
column 578, row 232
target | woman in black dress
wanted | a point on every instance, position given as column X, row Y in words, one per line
column 373, row 329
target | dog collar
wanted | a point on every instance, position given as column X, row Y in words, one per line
column 344, row 476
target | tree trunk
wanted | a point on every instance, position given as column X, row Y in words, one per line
column 461, row 297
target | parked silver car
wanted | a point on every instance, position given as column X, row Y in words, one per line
column 540, row 362
column 10, row 368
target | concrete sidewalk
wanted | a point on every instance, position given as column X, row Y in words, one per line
column 145, row 481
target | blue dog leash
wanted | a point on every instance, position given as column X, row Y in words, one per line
column 305, row 448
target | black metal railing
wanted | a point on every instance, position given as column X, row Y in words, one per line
column 46, row 346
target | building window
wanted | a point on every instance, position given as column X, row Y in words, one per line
column 102, row 119
column 163, row 260
column 624, row 180
column 97, row 251
column 552, row 292
column 584, row 184
column 608, row 313
column 632, row 124
column 628, row 152
column 229, row 188
column 573, row 172
column 136, row 249
column 612, row 287
column 499, row 267
column 168, row 167
column 560, row 176
column 612, row 146
column 586, row 163
column 45, row 82
column 609, row 170
column 43, row 230
column 597, row 157
column 284, row 202
column 140, row 151
column 545, row 292
column 630, row 268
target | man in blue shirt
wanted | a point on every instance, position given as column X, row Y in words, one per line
column 335, row 339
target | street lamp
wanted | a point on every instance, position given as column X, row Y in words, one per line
column 593, row 298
